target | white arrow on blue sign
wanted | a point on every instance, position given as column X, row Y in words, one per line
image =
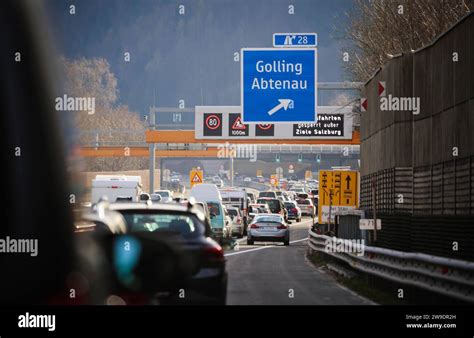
column 278, row 85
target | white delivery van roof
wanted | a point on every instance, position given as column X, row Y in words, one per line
column 116, row 181
column 233, row 192
column 206, row 192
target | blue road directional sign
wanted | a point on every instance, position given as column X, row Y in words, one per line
column 278, row 85
column 295, row 40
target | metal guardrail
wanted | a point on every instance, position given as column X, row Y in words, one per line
column 450, row 277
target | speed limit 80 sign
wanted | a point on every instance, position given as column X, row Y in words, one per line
column 212, row 124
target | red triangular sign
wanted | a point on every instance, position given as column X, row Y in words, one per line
column 196, row 178
column 238, row 124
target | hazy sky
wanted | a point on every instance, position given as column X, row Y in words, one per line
column 189, row 56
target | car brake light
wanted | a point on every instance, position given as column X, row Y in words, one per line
column 294, row 210
column 282, row 226
column 239, row 221
column 214, row 251
column 254, row 226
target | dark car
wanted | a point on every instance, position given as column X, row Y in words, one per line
column 184, row 229
column 294, row 212
column 276, row 206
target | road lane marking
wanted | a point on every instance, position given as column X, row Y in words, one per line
column 261, row 248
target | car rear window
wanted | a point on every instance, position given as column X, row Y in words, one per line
column 289, row 205
column 267, row 194
column 232, row 212
column 214, row 208
column 185, row 225
column 274, row 204
column 268, row 219
column 304, row 202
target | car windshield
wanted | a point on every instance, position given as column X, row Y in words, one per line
column 185, row 225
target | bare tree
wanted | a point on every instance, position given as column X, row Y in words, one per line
column 111, row 124
column 380, row 28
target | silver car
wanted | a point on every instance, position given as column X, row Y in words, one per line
column 268, row 228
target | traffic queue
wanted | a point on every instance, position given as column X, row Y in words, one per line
column 185, row 235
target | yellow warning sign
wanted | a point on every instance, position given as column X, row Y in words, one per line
column 274, row 180
column 195, row 177
column 308, row 174
column 349, row 188
column 338, row 190
column 259, row 172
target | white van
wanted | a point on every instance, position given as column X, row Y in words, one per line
column 116, row 186
column 237, row 197
column 209, row 193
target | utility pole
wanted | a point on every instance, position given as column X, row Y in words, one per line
column 152, row 153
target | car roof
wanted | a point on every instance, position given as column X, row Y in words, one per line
column 144, row 206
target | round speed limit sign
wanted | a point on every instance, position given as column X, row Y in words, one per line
column 213, row 122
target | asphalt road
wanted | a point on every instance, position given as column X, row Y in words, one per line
column 272, row 274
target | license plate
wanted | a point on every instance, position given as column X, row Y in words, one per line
column 269, row 228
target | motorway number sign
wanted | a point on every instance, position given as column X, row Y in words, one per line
column 278, row 85
column 295, row 40
column 195, row 177
column 338, row 189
